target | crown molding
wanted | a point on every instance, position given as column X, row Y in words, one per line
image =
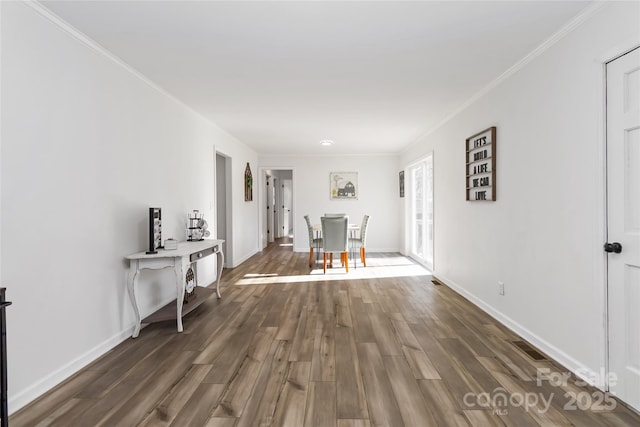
column 92, row 44
column 95, row 46
column 543, row 47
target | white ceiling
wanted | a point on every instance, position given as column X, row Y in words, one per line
column 281, row 76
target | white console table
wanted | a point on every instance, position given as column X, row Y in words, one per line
column 178, row 259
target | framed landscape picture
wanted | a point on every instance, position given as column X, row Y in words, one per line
column 343, row 185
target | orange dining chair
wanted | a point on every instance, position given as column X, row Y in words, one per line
column 335, row 238
column 314, row 242
column 361, row 242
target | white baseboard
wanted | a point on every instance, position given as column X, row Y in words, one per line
column 573, row 365
column 37, row 389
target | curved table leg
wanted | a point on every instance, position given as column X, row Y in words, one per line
column 220, row 265
column 179, row 269
column 131, row 286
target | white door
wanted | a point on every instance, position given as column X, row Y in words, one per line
column 270, row 208
column 277, row 203
column 286, row 207
column 623, row 211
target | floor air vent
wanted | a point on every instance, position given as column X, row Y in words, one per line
column 531, row 352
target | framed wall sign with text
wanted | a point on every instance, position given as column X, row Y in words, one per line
column 481, row 165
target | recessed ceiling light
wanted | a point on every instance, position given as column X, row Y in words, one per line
column 326, row 142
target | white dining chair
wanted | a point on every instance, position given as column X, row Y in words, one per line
column 314, row 242
column 361, row 242
column 334, row 215
column 335, row 238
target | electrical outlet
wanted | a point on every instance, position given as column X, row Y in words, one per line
column 501, row 288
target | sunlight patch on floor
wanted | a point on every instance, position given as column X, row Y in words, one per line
column 260, row 275
column 377, row 268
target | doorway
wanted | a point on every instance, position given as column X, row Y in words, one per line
column 271, row 183
column 277, row 218
column 224, row 216
column 287, row 206
column 420, row 194
column 623, row 226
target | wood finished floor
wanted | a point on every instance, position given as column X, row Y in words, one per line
column 343, row 350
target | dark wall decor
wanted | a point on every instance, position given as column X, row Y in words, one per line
column 248, row 184
column 481, row 165
column 401, row 183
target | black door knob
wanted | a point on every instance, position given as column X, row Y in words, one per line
column 613, row 247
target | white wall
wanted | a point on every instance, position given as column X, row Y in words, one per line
column 543, row 236
column 87, row 147
column 243, row 215
column 378, row 195
column 0, row 145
